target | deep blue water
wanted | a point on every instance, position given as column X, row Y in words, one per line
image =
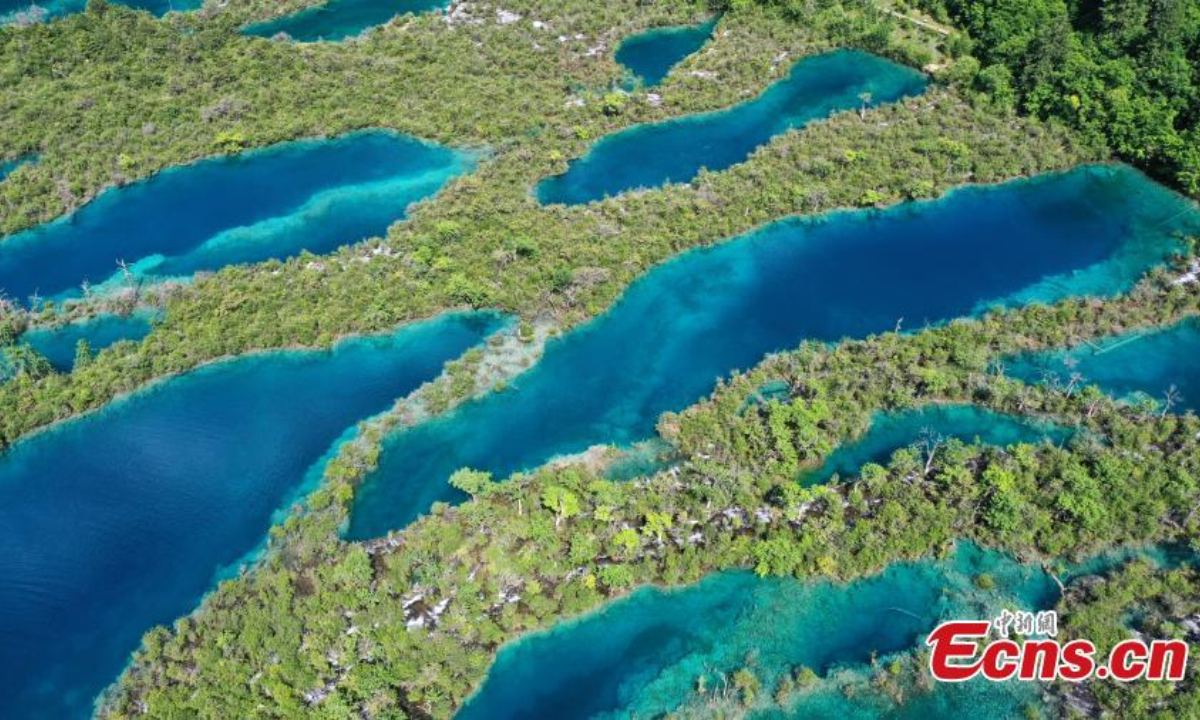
column 313, row 195
column 674, row 151
column 1141, row 363
column 642, row 655
column 652, row 54
column 890, row 432
column 57, row 8
column 58, row 345
column 120, row 520
column 710, row 311
column 340, row 19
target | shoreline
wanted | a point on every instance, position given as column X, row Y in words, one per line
column 477, row 152
column 154, row 383
column 571, row 325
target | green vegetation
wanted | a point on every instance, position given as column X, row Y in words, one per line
column 132, row 95
column 1123, row 73
column 485, row 241
column 1160, row 605
column 407, row 624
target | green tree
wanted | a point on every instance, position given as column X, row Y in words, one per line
column 657, row 524
column 83, row 354
column 562, row 502
column 475, row 483
column 616, row 576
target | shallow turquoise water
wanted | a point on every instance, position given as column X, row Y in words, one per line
column 1141, row 363
column 710, row 311
column 121, row 520
column 340, row 19
column 643, row 654
column 1165, row 557
column 313, row 195
column 58, row 345
column 9, row 9
column 890, row 432
column 648, row 156
column 6, row 168
column 652, row 54
column 641, row 460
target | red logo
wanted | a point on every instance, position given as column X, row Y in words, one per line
column 961, row 650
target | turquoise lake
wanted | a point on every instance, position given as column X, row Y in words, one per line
column 711, row 311
column 10, row 9
column 122, row 519
column 231, row 210
column 1143, row 363
column 674, row 151
column 643, row 654
column 651, row 55
column 340, row 19
column 890, row 432
column 58, row 345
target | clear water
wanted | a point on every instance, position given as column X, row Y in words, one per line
column 652, row 54
column 120, row 520
column 9, row 9
column 313, row 195
column 641, row 460
column 1142, row 364
column 6, row 168
column 340, row 19
column 710, row 311
column 674, row 151
column 58, row 345
column 641, row 656
column 890, row 432
column 1165, row 557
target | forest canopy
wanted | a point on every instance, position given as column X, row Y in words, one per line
column 1122, row 72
